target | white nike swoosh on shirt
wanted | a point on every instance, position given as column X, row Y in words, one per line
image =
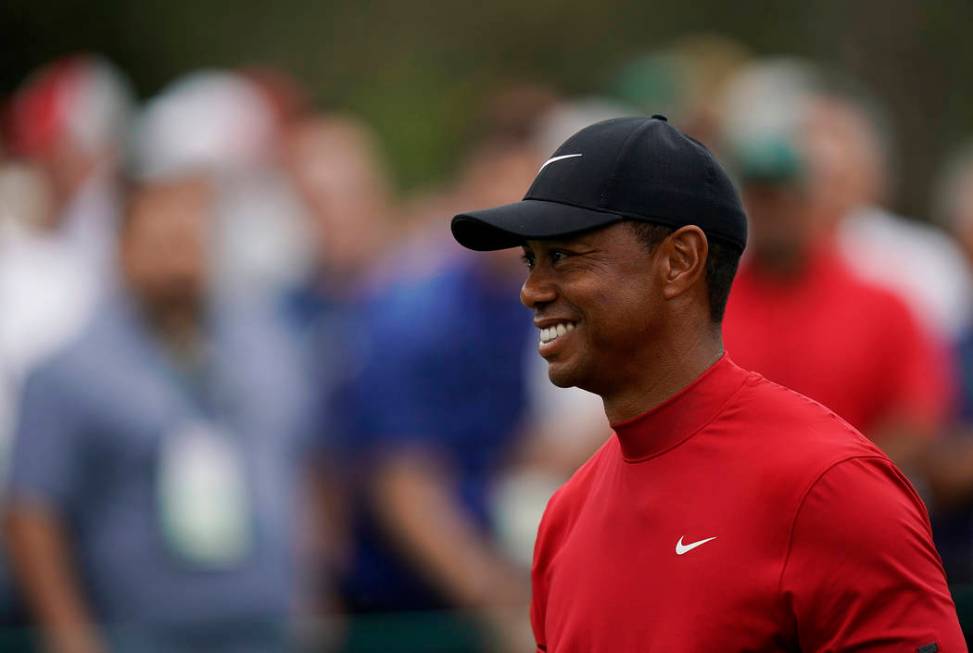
column 682, row 549
column 557, row 158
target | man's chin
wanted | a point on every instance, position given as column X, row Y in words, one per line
column 562, row 376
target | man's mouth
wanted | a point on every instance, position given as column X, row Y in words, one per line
column 552, row 333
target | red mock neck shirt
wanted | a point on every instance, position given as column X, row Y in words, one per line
column 739, row 516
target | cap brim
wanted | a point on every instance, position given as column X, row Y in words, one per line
column 511, row 225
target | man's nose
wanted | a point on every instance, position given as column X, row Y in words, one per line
column 537, row 291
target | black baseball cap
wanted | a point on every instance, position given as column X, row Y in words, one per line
column 624, row 168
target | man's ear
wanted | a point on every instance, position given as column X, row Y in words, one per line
column 684, row 260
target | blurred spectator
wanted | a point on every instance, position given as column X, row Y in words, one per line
column 439, row 417
column 47, row 288
column 335, row 165
column 337, row 169
column 765, row 108
column 801, row 317
column 875, row 242
column 70, row 120
column 950, row 466
column 59, row 205
column 59, row 208
column 843, row 133
column 152, row 497
column 224, row 124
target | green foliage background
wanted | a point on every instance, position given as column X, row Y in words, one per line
column 418, row 70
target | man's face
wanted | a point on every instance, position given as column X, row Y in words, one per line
column 597, row 301
column 336, row 170
column 781, row 230
column 164, row 246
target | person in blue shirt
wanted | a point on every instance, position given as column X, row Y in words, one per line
column 335, row 164
column 439, row 405
column 152, row 498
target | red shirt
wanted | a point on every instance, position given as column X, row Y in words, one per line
column 844, row 342
column 738, row 516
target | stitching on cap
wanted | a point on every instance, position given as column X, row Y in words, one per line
column 610, row 184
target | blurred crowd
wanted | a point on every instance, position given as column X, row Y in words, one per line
column 254, row 398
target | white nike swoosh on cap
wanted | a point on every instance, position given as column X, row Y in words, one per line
column 557, row 158
column 686, row 548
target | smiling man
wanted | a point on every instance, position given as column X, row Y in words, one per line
column 726, row 513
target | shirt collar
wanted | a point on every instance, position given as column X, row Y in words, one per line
column 682, row 415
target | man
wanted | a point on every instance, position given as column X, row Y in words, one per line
column 936, row 285
column 335, row 164
column 69, row 120
column 150, row 505
column 220, row 121
column 436, row 419
column 727, row 513
column 67, row 124
column 801, row 316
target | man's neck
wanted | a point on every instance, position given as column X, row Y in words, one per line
column 669, row 373
column 782, row 270
column 179, row 331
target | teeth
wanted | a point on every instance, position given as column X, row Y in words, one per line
column 552, row 333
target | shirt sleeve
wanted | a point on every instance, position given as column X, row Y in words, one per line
column 862, row 573
column 538, row 578
column 399, row 395
column 47, row 454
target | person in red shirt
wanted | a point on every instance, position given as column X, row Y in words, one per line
column 799, row 315
column 727, row 513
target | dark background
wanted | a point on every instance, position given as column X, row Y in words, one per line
column 418, row 70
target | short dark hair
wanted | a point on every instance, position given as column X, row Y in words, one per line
column 721, row 263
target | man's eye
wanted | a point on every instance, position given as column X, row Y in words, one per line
column 528, row 260
column 558, row 255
